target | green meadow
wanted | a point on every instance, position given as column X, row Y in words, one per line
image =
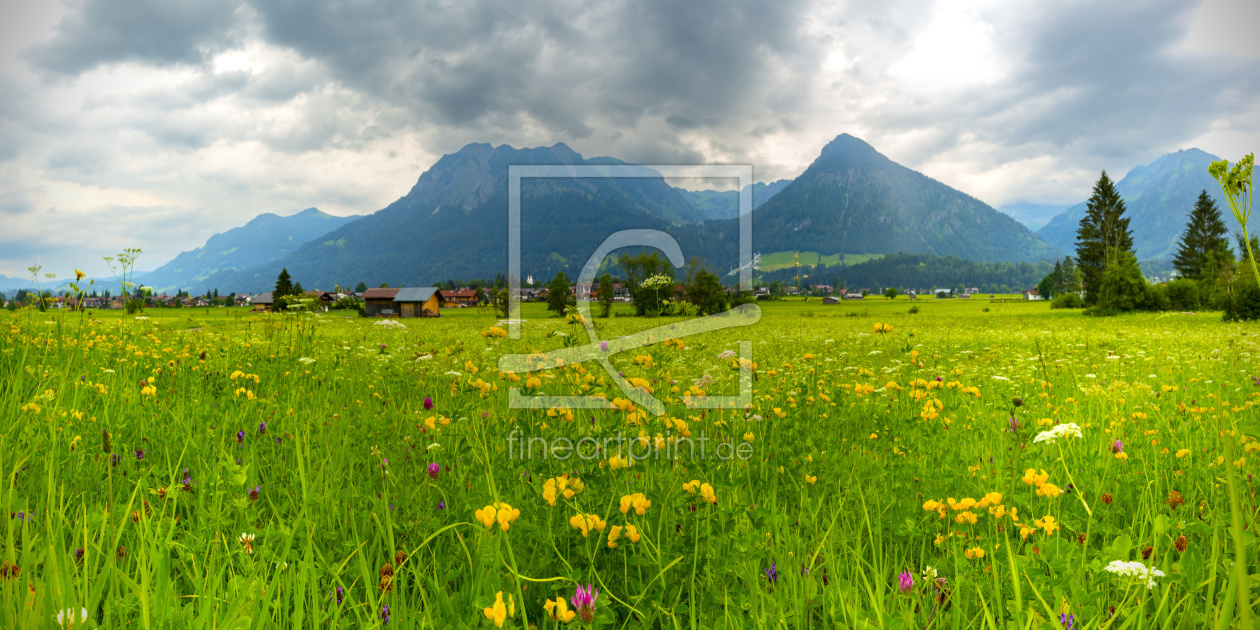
column 974, row 464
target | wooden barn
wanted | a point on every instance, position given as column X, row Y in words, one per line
column 379, row 302
column 263, row 302
column 417, row 301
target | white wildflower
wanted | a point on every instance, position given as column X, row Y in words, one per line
column 306, row 360
column 389, row 323
column 727, row 355
column 1136, row 571
column 66, row 618
column 1060, row 430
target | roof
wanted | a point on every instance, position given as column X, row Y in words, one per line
column 380, row 294
column 415, row 294
column 462, row 293
column 264, row 298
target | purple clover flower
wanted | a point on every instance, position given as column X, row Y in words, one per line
column 434, row 469
column 584, row 602
column 905, row 581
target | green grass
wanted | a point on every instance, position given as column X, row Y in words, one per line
column 780, row 260
column 846, row 442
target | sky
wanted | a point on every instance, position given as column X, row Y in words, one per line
column 157, row 123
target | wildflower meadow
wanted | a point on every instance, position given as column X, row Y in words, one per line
column 966, row 465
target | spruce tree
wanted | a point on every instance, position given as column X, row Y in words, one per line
column 1205, row 232
column 284, row 284
column 1103, row 234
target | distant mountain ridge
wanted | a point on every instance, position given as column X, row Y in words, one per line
column 453, row 222
column 1034, row 216
column 1158, row 198
column 724, row 204
column 854, row 200
column 265, row 238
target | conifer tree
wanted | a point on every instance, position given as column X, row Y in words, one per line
column 284, row 284
column 1102, row 236
column 1205, row 233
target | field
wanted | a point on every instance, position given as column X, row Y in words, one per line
column 781, row 260
column 193, row 468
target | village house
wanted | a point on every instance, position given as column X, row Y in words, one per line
column 418, row 301
column 830, row 299
column 324, row 297
column 263, row 302
column 379, row 302
column 460, row 297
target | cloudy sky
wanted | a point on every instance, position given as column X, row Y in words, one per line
column 156, row 123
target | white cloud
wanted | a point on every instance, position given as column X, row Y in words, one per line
column 114, row 136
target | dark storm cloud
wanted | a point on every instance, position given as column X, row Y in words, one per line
column 571, row 67
column 159, row 32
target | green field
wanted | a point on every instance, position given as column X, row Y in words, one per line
column 781, row 260
column 277, row 471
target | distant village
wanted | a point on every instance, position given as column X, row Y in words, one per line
column 427, row 301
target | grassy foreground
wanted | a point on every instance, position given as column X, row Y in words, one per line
column 319, row 471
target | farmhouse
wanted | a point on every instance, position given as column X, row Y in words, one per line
column 263, row 302
column 417, row 301
column 379, row 302
column 831, row 300
column 460, row 297
column 853, row 296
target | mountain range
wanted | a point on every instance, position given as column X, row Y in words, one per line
column 265, row 238
column 453, row 222
column 1158, row 198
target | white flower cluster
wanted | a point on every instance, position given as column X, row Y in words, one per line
column 727, row 354
column 1060, row 430
column 306, row 360
column 509, row 322
column 389, row 323
column 1135, row 570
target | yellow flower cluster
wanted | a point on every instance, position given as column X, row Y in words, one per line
column 974, row 553
column 631, row 532
column 636, row 501
column 498, row 613
column 561, row 413
column 494, row 331
column 563, row 485
column 586, row 522
column 501, row 513
column 706, row 490
column 992, row 501
column 883, row 328
column 558, row 610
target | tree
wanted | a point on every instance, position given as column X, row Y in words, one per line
column 1068, row 279
column 890, row 293
column 1102, row 236
column 558, row 293
column 605, row 295
column 284, row 284
column 640, row 267
column 297, row 289
column 361, row 287
column 706, row 292
column 384, row 285
column 1123, row 286
column 1045, row 288
column 1205, row 232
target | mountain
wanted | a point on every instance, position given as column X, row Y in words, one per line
column 1034, row 216
column 452, row 224
column 724, row 204
column 264, row 239
column 1158, row 198
column 853, row 200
